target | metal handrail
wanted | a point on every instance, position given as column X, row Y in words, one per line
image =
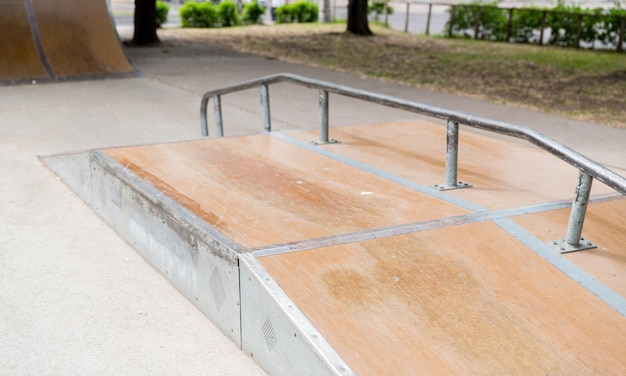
column 586, row 166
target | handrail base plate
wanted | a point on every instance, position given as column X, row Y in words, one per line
column 445, row 187
column 564, row 247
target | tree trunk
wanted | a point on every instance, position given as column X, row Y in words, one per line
column 145, row 23
column 357, row 17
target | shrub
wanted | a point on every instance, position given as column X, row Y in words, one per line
column 564, row 25
column 162, row 9
column 592, row 26
column 608, row 28
column 568, row 25
column 480, row 20
column 305, row 11
column 526, row 25
column 300, row 11
column 460, row 20
column 252, row 13
column 284, row 14
column 227, row 14
column 194, row 14
column 493, row 23
column 378, row 8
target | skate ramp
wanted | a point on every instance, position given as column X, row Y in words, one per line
column 341, row 259
column 59, row 40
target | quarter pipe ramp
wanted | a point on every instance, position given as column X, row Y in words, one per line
column 56, row 40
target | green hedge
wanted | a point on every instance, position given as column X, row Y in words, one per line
column 194, row 14
column 569, row 25
column 252, row 13
column 224, row 14
column 378, row 8
column 227, row 14
column 162, row 9
column 299, row 11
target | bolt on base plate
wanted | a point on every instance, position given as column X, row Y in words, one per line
column 445, row 187
column 563, row 247
column 331, row 141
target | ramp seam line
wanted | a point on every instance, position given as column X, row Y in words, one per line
column 573, row 271
column 382, row 174
column 383, row 232
column 34, row 30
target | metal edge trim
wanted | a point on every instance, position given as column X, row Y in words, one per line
column 225, row 247
column 34, row 30
column 408, row 228
column 573, row 271
column 323, row 349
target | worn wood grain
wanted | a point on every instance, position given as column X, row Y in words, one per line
column 261, row 191
column 80, row 42
column 503, row 173
column 18, row 57
column 466, row 300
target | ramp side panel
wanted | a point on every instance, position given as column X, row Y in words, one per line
column 19, row 59
column 504, row 172
column 260, row 191
column 605, row 225
column 468, row 299
column 74, row 170
column 174, row 242
column 79, row 39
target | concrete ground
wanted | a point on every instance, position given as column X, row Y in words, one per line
column 74, row 298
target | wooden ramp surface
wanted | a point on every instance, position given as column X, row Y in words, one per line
column 18, row 54
column 403, row 279
column 59, row 39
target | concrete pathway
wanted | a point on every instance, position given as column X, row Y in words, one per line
column 74, row 298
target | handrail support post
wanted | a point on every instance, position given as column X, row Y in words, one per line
column 265, row 104
column 452, row 157
column 217, row 110
column 573, row 241
column 204, row 126
column 324, row 131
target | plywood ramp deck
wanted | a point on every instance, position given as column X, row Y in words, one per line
column 459, row 300
column 403, row 279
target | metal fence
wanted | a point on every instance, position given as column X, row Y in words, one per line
column 605, row 29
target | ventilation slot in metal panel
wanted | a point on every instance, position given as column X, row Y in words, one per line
column 217, row 288
column 268, row 332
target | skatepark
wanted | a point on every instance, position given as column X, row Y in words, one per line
column 79, row 298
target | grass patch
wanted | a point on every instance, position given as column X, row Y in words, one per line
column 584, row 84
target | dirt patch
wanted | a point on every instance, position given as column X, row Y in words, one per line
column 588, row 85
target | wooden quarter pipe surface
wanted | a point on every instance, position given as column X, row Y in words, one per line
column 59, row 40
column 19, row 59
